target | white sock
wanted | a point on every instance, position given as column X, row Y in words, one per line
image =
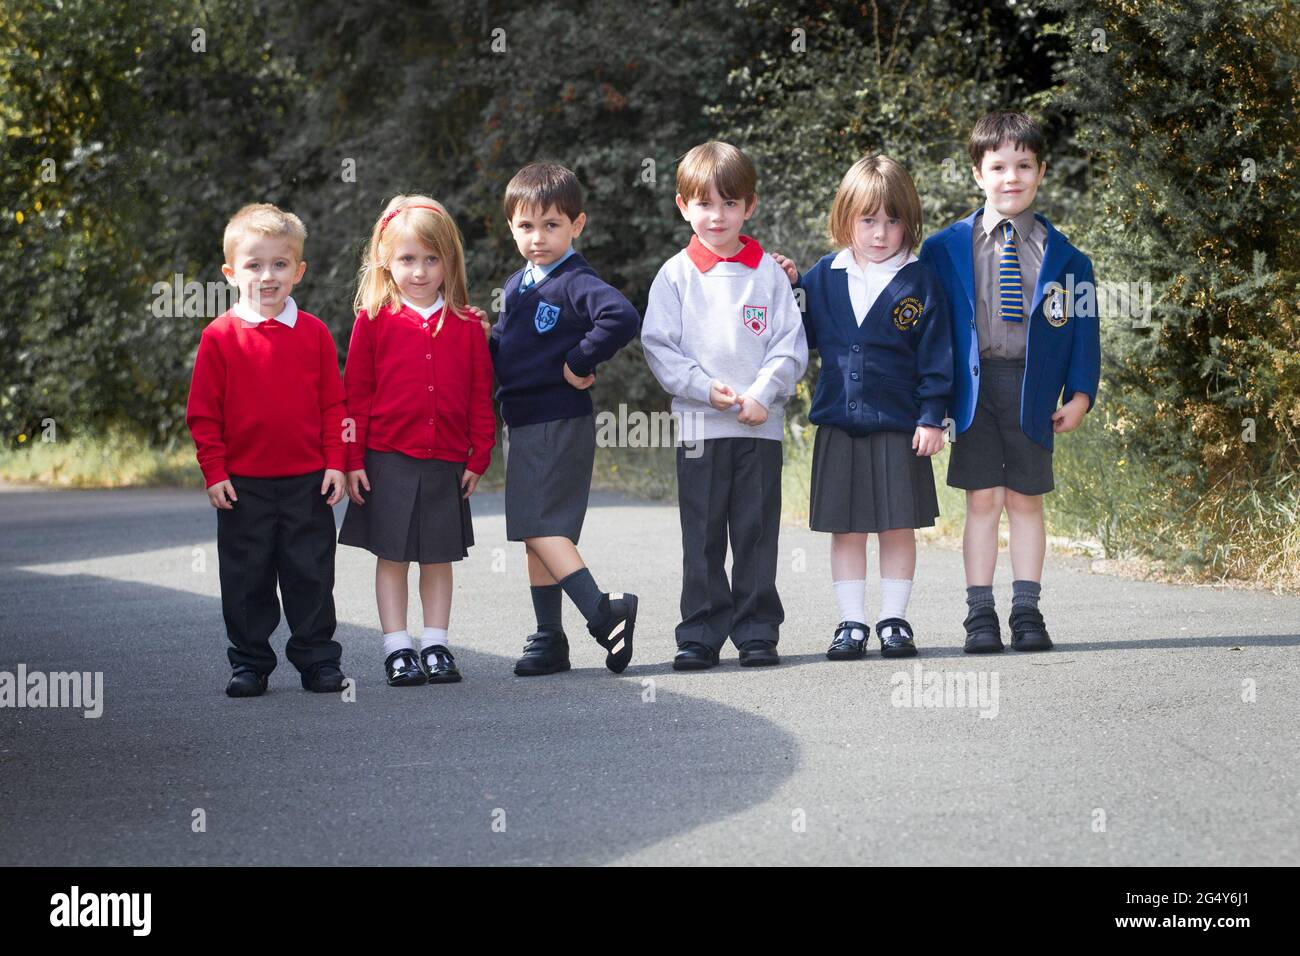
column 396, row 641
column 851, row 597
column 894, row 595
column 433, row 635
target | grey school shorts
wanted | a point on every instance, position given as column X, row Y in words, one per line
column 994, row 452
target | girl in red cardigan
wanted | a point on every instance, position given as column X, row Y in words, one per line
column 419, row 398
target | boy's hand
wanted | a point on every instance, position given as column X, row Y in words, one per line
column 927, row 440
column 477, row 313
column 722, row 397
column 791, row 270
column 468, row 482
column 1069, row 416
column 356, row 481
column 336, row 485
column 752, row 411
column 579, row 383
column 222, row 494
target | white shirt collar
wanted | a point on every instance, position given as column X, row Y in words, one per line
column 288, row 315
column 424, row 312
column 846, row 260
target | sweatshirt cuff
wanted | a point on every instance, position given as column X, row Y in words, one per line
column 480, row 463
column 578, row 362
column 766, row 393
column 214, row 472
column 335, row 458
column 932, row 412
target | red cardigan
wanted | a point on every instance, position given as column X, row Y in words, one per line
column 419, row 394
column 266, row 400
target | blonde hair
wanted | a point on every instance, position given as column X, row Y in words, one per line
column 718, row 164
column 263, row 219
column 872, row 182
column 427, row 221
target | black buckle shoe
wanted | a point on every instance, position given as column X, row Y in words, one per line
column 759, row 654
column 323, row 678
column 439, row 664
column 695, row 657
column 895, row 638
column 1028, row 632
column 614, row 632
column 983, row 634
column 403, row 669
column 845, row 647
column 246, row 682
column 547, row 652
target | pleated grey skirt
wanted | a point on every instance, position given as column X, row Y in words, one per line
column 869, row 484
column 414, row 510
column 548, row 478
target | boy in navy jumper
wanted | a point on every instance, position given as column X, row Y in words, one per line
column 559, row 322
column 1025, row 337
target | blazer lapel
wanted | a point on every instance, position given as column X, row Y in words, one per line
column 1056, row 252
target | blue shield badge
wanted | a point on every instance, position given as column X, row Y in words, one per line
column 546, row 317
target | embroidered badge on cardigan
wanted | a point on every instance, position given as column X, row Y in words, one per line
column 907, row 312
column 546, row 316
column 755, row 318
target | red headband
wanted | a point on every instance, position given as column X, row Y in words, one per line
column 383, row 224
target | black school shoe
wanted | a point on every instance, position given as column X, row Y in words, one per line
column 615, row 621
column 695, row 657
column 1028, row 632
column 439, row 665
column 402, row 668
column 845, row 647
column 759, row 654
column 983, row 634
column 246, row 682
column 323, row 678
column 547, row 652
column 895, row 638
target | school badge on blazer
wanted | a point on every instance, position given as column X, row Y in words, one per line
column 755, row 318
column 1055, row 306
column 546, row 316
column 907, row 312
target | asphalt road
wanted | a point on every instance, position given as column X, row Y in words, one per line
column 1163, row 730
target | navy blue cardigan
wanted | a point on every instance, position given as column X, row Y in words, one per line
column 892, row 373
column 570, row 316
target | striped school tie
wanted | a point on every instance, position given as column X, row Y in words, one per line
column 1011, row 297
column 528, row 281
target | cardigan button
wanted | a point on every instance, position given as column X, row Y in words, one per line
column 430, row 421
column 431, row 388
column 854, row 376
column 428, row 356
column 853, row 406
column 857, row 348
column 974, row 369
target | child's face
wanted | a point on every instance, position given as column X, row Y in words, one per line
column 1009, row 176
column 542, row 237
column 877, row 236
column 264, row 269
column 416, row 270
column 717, row 221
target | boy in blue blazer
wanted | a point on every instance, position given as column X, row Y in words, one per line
column 1027, row 360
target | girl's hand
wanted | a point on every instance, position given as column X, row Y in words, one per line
column 791, row 270
column 356, row 481
column 1070, row 415
column 722, row 397
column 752, row 411
column 222, row 494
column 579, row 383
column 927, row 440
column 336, row 484
column 468, row 482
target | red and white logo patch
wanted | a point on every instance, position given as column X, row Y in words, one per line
column 755, row 318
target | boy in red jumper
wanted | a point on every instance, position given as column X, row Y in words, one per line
column 266, row 412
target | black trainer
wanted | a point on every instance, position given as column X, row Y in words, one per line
column 759, row 654
column 613, row 627
column 439, row 664
column 246, row 682
column 845, row 647
column 1028, row 632
column 983, row 634
column 323, row 678
column 695, row 657
column 895, row 638
column 547, row 652
column 402, row 668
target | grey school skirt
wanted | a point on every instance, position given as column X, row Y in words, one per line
column 869, row 484
column 548, row 478
column 414, row 510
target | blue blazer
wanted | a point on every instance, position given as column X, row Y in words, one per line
column 1063, row 344
column 893, row 372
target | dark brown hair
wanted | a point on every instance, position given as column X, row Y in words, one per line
column 539, row 186
column 1004, row 126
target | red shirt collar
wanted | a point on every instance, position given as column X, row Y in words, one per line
column 750, row 254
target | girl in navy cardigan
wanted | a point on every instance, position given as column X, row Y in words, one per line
column 879, row 320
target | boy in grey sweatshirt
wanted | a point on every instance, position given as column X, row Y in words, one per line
column 724, row 336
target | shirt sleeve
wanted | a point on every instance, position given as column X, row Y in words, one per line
column 787, row 354
column 1084, row 371
column 614, row 324
column 482, row 419
column 661, row 340
column 205, row 411
column 333, row 405
column 359, row 386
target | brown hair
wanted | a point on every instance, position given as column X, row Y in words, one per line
column 540, row 186
column 872, row 182
column 1004, row 126
column 717, row 164
column 427, row 221
column 263, row 219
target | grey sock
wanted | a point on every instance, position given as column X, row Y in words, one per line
column 978, row 596
column 1025, row 594
column 548, row 604
column 581, row 588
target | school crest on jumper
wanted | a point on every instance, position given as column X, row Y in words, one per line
column 1056, row 306
column 546, row 316
column 907, row 312
column 755, row 318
